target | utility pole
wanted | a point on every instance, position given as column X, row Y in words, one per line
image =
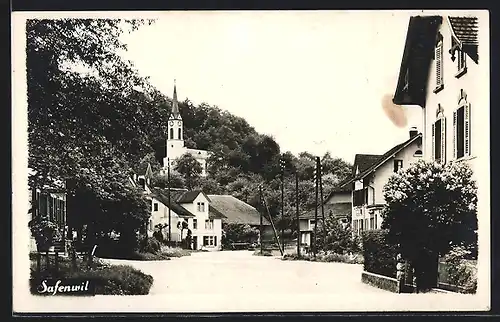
column 321, row 196
column 282, row 165
column 316, row 177
column 169, row 204
column 261, row 209
column 297, row 211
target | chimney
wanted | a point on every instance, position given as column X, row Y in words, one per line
column 413, row 131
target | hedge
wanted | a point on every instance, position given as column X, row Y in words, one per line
column 379, row 256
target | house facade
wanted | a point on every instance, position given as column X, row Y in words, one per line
column 447, row 87
column 372, row 172
column 174, row 147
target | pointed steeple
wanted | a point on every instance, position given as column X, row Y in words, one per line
column 175, row 105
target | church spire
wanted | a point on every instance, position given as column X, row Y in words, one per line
column 175, row 105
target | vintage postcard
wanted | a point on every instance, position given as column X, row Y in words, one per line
column 251, row 161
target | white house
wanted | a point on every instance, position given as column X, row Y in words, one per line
column 174, row 147
column 441, row 74
column 371, row 174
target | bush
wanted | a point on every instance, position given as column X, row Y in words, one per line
column 459, row 271
column 149, row 245
column 174, row 252
column 379, row 256
column 118, row 280
column 108, row 279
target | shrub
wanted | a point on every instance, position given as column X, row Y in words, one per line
column 150, row 245
column 44, row 231
column 459, row 271
column 174, row 252
column 379, row 256
column 118, row 280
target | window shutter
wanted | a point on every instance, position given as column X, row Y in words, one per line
column 439, row 65
column 467, row 129
column 455, row 134
column 443, row 140
column 215, row 240
column 433, row 141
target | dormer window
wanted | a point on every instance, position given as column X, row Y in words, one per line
column 438, row 55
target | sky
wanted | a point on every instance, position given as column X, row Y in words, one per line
column 314, row 80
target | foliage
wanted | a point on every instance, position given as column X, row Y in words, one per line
column 430, row 208
column 109, row 279
column 189, row 168
column 118, row 280
column 174, row 252
column 150, row 245
column 459, row 271
column 379, row 256
column 265, row 252
column 338, row 239
column 238, row 233
column 44, row 231
column 327, row 257
column 161, row 180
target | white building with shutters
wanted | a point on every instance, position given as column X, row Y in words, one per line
column 441, row 73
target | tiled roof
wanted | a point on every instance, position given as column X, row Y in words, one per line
column 465, row 30
column 364, row 161
column 235, row 210
column 388, row 154
column 341, row 209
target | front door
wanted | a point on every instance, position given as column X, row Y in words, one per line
column 195, row 242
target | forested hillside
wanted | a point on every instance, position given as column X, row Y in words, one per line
column 95, row 127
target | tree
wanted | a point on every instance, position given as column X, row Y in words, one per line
column 430, row 208
column 190, row 168
column 338, row 239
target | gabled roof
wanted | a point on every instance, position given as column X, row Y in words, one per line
column 417, row 56
column 235, row 210
column 175, row 194
column 341, row 209
column 214, row 213
column 464, row 31
column 389, row 154
column 364, row 161
column 190, row 196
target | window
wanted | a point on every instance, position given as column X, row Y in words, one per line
column 439, row 140
column 150, row 225
column 375, row 219
column 462, row 63
column 361, row 225
column 209, row 240
column 355, row 225
column 438, row 51
column 201, row 206
column 195, row 223
column 359, row 197
column 171, row 134
column 398, row 164
column 209, row 224
column 179, row 134
column 155, row 206
column 461, row 131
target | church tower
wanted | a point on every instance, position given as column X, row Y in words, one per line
column 175, row 132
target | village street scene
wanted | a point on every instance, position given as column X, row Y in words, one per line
column 321, row 178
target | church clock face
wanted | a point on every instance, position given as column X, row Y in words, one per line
column 179, row 123
column 171, row 123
